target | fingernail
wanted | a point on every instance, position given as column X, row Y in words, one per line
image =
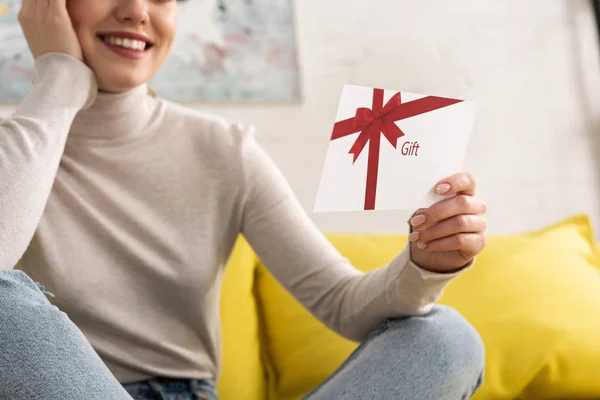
column 422, row 245
column 414, row 236
column 418, row 220
column 442, row 188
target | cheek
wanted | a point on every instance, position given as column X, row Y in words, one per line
column 167, row 37
column 170, row 38
column 167, row 26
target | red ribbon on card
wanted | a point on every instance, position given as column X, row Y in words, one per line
column 377, row 120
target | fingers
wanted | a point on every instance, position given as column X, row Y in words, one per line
column 48, row 28
column 27, row 7
column 468, row 244
column 24, row 6
column 456, row 224
column 27, row 19
column 56, row 5
column 462, row 183
column 457, row 205
column 464, row 223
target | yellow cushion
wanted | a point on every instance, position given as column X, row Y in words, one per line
column 542, row 331
column 242, row 375
column 533, row 297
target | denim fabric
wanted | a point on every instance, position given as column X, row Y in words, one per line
column 436, row 356
column 43, row 356
column 172, row 389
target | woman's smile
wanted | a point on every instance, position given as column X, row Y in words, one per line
column 125, row 44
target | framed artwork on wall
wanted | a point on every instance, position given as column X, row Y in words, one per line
column 224, row 51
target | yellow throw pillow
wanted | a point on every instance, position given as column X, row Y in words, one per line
column 533, row 297
column 242, row 373
column 537, row 308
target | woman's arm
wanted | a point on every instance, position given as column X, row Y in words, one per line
column 298, row 255
column 31, row 144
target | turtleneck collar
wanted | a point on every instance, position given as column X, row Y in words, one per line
column 114, row 118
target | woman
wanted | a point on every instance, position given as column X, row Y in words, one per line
column 126, row 207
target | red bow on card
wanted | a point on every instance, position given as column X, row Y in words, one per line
column 380, row 119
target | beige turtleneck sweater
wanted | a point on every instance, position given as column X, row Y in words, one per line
column 126, row 207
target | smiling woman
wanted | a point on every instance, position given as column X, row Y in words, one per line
column 126, row 208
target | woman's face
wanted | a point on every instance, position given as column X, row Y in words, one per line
column 105, row 27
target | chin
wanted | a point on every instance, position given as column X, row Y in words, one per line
column 118, row 84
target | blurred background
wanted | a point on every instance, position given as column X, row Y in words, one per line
column 532, row 67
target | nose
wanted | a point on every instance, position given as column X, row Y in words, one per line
column 132, row 11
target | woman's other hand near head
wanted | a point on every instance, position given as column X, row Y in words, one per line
column 48, row 28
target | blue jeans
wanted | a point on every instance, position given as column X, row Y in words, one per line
column 437, row 356
column 43, row 355
column 172, row 389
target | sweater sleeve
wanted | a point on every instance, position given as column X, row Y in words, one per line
column 299, row 256
column 32, row 142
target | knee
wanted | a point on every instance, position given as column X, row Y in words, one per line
column 450, row 343
column 452, row 337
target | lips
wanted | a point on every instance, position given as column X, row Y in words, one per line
column 130, row 44
column 127, row 48
column 127, row 35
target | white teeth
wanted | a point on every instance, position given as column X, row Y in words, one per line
column 126, row 43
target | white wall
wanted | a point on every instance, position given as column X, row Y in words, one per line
column 531, row 66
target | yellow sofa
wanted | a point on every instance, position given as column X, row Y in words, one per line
column 533, row 297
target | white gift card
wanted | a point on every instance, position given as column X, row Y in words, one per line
column 388, row 149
